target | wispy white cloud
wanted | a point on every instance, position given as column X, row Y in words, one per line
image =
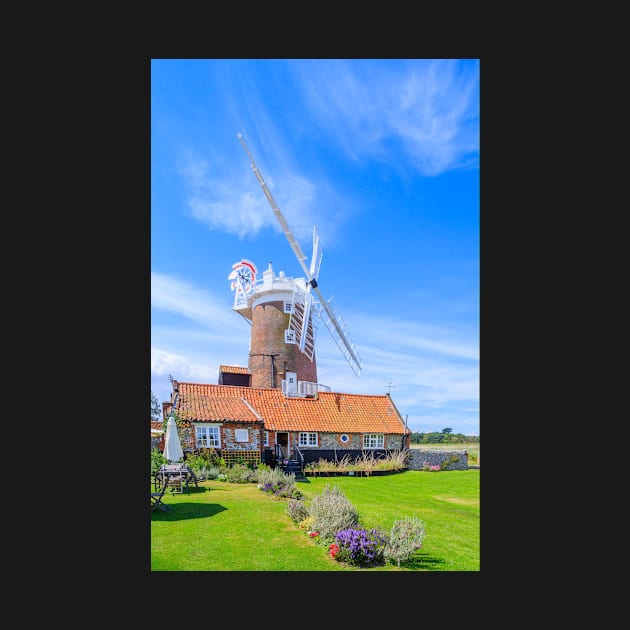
column 428, row 107
column 425, row 372
column 223, row 201
column 233, row 202
column 393, row 333
column 172, row 294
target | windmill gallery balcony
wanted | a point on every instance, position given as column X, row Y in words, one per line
column 304, row 389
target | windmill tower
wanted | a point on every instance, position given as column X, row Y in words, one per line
column 275, row 358
column 284, row 312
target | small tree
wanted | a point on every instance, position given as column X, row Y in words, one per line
column 155, row 408
column 405, row 538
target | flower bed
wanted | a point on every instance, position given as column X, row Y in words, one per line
column 352, row 473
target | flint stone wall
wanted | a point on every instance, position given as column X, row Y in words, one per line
column 417, row 457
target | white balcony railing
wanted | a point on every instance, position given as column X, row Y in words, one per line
column 304, row 389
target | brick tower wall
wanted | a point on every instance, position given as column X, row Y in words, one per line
column 269, row 321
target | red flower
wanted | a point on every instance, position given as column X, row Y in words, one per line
column 334, row 550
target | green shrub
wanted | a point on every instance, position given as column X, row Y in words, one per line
column 332, row 511
column 209, row 457
column 451, row 460
column 297, row 510
column 405, row 538
column 239, row 473
column 276, row 481
column 206, row 464
column 274, row 476
column 261, row 468
column 157, row 459
column 209, row 473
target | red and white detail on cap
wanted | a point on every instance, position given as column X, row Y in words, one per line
column 247, row 271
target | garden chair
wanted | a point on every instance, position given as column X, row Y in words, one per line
column 156, row 500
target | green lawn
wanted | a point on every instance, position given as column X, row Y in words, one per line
column 224, row 526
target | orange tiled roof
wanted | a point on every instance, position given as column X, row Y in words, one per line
column 156, row 424
column 330, row 412
column 233, row 369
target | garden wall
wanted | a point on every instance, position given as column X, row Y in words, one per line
column 418, row 457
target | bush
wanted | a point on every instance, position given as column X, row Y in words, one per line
column 430, row 467
column 206, row 464
column 332, row 512
column 297, row 510
column 261, row 468
column 209, row 473
column 276, row 481
column 359, row 547
column 307, row 523
column 239, row 473
column 208, row 457
column 405, row 537
column 157, row 459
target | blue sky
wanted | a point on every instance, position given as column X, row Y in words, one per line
column 382, row 156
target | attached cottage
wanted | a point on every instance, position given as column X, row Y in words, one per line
column 257, row 424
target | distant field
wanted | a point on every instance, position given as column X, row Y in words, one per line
column 471, row 448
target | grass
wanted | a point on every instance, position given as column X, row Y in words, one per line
column 224, row 526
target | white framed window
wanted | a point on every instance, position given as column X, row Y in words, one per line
column 289, row 336
column 241, row 435
column 373, row 440
column 288, row 307
column 266, row 438
column 307, row 439
column 207, row 436
column 344, row 438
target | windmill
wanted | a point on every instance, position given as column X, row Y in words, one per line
column 307, row 304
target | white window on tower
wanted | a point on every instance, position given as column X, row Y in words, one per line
column 288, row 307
column 289, row 336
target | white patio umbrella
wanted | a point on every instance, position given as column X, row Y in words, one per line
column 172, row 446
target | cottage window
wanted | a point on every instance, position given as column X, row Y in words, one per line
column 373, row 440
column 308, row 439
column 207, row 437
column 242, row 435
column 266, row 438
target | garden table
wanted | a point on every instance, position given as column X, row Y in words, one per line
column 176, row 476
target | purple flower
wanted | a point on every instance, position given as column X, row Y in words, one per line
column 361, row 547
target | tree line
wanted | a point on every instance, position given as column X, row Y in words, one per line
column 446, row 436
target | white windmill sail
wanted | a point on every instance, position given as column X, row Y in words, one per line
column 301, row 322
column 303, row 302
column 304, row 313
